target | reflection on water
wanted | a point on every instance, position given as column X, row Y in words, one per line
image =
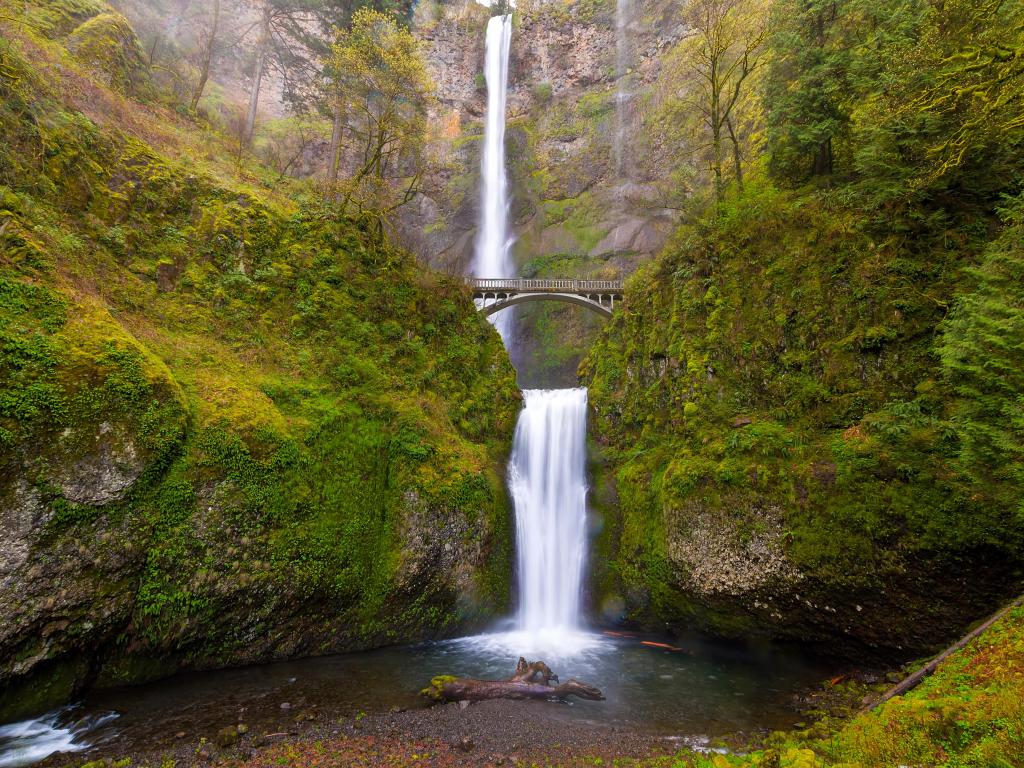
column 704, row 687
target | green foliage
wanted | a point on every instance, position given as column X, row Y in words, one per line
column 379, row 70
column 912, row 98
column 982, row 352
column 846, row 357
column 300, row 400
column 781, row 354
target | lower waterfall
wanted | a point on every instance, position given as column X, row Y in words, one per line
column 547, row 478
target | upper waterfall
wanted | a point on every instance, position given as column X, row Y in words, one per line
column 623, row 15
column 493, row 258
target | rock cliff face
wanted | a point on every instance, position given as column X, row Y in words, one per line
column 575, row 210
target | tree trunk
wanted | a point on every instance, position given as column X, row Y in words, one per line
column 716, row 144
column 530, row 681
column 915, row 679
column 335, row 159
column 211, row 41
column 823, row 159
column 257, row 77
column 152, row 50
column 737, row 156
column 717, row 120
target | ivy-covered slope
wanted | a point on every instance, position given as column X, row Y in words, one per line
column 812, row 400
column 232, row 428
column 813, row 421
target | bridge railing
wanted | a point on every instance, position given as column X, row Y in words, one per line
column 557, row 285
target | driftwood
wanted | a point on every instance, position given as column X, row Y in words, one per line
column 911, row 682
column 532, row 680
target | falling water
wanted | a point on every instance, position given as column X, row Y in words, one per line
column 493, row 241
column 623, row 12
column 547, row 477
column 547, row 472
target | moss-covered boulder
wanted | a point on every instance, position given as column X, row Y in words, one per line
column 107, row 46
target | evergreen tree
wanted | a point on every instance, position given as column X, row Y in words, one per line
column 807, row 87
column 982, row 353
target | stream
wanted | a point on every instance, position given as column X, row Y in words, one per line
column 707, row 688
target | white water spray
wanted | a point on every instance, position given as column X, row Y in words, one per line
column 28, row 742
column 547, row 478
column 493, row 245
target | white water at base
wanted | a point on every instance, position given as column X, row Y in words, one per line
column 493, row 244
column 32, row 740
column 547, row 479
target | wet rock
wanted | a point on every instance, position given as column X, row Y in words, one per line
column 227, row 736
column 106, row 472
column 712, row 558
column 21, row 513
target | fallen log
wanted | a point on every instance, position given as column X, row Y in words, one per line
column 911, row 682
column 532, row 680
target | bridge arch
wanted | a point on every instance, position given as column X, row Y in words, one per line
column 495, row 295
column 521, row 298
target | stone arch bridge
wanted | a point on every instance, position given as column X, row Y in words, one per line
column 495, row 295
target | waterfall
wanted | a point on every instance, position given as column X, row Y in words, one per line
column 547, row 478
column 493, row 245
column 547, row 470
column 623, row 12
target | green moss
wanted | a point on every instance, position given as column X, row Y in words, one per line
column 107, row 45
column 437, row 684
column 57, row 18
column 294, row 393
column 778, row 351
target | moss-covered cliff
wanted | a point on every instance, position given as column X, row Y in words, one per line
column 783, row 406
column 232, row 427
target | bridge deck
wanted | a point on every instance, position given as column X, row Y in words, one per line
column 525, row 285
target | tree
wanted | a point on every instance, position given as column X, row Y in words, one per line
column 946, row 107
column 208, row 42
column 282, row 43
column 381, row 78
column 293, row 38
column 332, row 17
column 714, row 67
column 807, row 86
column 982, row 352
